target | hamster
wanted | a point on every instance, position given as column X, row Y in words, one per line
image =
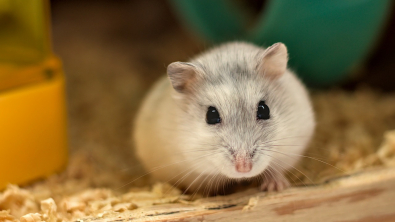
column 233, row 113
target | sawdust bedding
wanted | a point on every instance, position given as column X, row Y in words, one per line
column 355, row 131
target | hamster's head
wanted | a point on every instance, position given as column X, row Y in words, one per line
column 235, row 104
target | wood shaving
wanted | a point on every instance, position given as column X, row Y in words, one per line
column 386, row 153
column 32, row 217
column 6, row 216
column 251, row 204
column 81, row 204
column 49, row 208
column 18, row 201
column 345, row 142
column 124, row 206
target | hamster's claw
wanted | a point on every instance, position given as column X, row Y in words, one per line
column 277, row 183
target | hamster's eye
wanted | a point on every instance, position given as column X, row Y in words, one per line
column 263, row 111
column 212, row 116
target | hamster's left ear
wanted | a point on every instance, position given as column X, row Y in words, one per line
column 181, row 75
column 274, row 62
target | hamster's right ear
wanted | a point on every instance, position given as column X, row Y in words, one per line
column 274, row 62
column 181, row 75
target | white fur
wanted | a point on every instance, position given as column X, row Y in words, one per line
column 175, row 144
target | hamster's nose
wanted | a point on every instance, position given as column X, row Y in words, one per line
column 243, row 165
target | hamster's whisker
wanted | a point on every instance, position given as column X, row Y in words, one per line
column 266, row 177
column 278, row 172
column 159, row 168
column 293, row 174
column 184, row 177
column 217, row 172
column 195, row 180
column 201, row 183
column 285, row 145
column 284, row 138
column 205, row 147
column 304, row 156
column 178, row 181
column 283, row 168
column 279, row 145
column 322, row 148
column 271, row 174
column 210, row 182
column 218, row 183
column 258, row 178
column 291, row 171
column 224, row 184
column 215, row 179
column 130, row 168
column 198, row 151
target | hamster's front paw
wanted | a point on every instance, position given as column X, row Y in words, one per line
column 274, row 183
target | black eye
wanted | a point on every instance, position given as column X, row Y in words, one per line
column 212, row 116
column 263, row 111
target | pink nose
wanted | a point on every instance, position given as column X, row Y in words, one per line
column 243, row 166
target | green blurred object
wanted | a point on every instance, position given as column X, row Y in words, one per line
column 325, row 39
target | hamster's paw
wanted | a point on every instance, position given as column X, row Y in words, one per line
column 275, row 183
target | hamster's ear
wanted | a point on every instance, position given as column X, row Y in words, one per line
column 274, row 62
column 181, row 75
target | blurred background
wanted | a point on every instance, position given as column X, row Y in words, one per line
column 113, row 51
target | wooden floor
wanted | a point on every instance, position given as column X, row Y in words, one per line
column 364, row 197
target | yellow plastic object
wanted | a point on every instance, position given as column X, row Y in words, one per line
column 24, row 31
column 32, row 97
column 33, row 129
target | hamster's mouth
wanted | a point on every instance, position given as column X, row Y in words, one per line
column 239, row 175
column 256, row 170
